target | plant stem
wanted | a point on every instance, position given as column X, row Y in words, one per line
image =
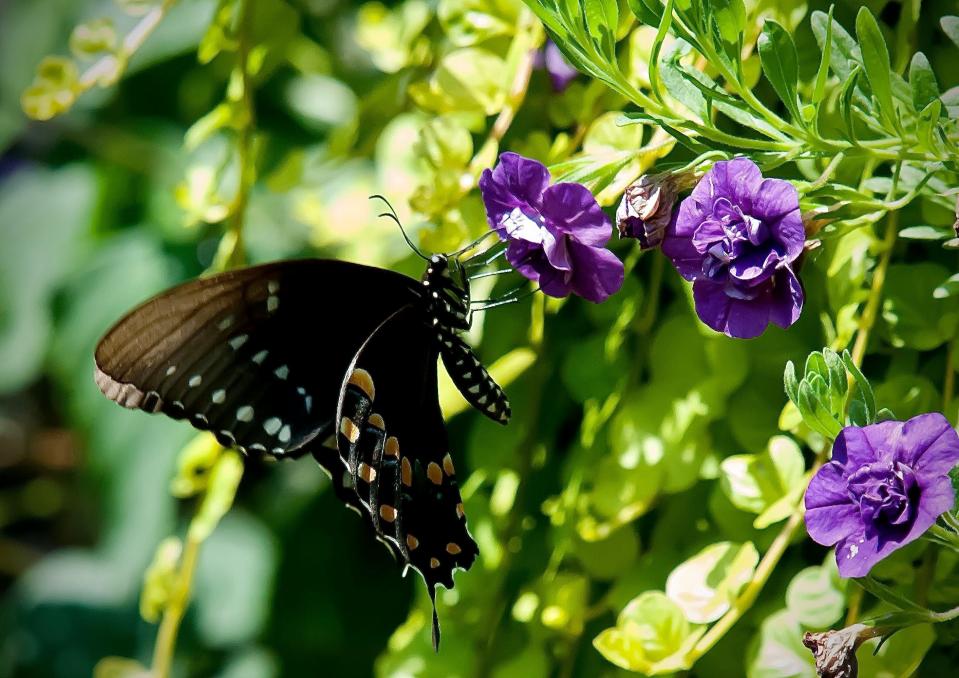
column 745, row 600
column 175, row 609
column 530, row 31
column 871, row 311
column 111, row 65
column 245, row 150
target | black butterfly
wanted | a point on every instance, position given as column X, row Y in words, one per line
column 325, row 357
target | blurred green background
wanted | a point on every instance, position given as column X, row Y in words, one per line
column 608, row 476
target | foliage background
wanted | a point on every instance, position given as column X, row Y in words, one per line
column 619, row 464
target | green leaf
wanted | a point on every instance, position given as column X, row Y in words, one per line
column 730, row 17
column 467, row 80
column 120, row 667
column 816, row 595
column 898, row 656
column 651, row 636
column 845, row 103
column 777, row 53
column 914, row 316
column 950, row 26
column 790, row 382
column 469, row 22
column 875, row 59
column 947, row 289
column 819, row 85
column 602, row 20
column 926, row 233
column 649, row 12
column 706, row 585
column 777, row 650
column 844, row 52
column 865, row 388
column 922, row 81
column 755, row 482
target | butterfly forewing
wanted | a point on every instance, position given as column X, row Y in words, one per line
column 255, row 355
column 394, row 449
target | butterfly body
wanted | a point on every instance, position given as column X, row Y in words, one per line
column 325, row 358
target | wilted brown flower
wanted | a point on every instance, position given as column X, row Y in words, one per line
column 646, row 209
column 835, row 651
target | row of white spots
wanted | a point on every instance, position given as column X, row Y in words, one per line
column 273, row 301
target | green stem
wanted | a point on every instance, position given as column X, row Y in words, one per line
column 245, row 141
column 871, row 311
column 746, row 599
column 174, row 610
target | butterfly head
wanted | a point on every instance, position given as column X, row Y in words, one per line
column 448, row 292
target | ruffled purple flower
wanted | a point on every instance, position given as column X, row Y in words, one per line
column 556, row 234
column 736, row 237
column 886, row 485
column 561, row 72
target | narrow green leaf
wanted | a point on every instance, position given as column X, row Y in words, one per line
column 844, row 52
column 922, row 81
column 780, row 63
column 790, row 383
column 927, row 122
column 657, row 47
column 858, row 416
column 648, row 12
column 602, row 20
column 845, row 104
column 950, row 26
column 819, row 88
column 875, row 59
column 865, row 388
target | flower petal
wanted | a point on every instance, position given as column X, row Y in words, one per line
column 789, row 232
column 774, row 199
column 855, row 447
column 556, row 250
column 827, row 525
column 929, row 444
column 827, row 488
column 738, row 180
column 857, row 554
column 678, row 243
column 570, row 208
column 739, row 318
column 597, row 273
column 787, row 298
column 756, row 266
column 514, row 182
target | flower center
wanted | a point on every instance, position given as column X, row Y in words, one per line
column 887, row 494
column 727, row 235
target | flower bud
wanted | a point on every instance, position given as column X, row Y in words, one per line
column 646, row 209
column 835, row 652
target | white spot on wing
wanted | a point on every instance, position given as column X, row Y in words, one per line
column 238, row 341
column 282, row 372
column 218, row 396
column 272, row 303
column 245, row 413
column 195, row 381
column 260, row 357
column 272, row 425
column 273, row 286
column 285, row 434
column 170, row 370
column 225, row 323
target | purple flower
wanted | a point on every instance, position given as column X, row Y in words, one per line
column 560, row 72
column 555, row 234
column 736, row 237
column 886, row 485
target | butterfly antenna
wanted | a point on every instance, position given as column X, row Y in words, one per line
column 508, row 298
column 501, row 271
column 392, row 215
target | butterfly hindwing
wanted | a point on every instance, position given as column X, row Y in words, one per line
column 393, row 445
column 254, row 355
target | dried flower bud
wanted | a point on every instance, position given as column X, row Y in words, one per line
column 835, row 651
column 646, row 209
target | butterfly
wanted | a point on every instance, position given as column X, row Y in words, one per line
column 328, row 358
